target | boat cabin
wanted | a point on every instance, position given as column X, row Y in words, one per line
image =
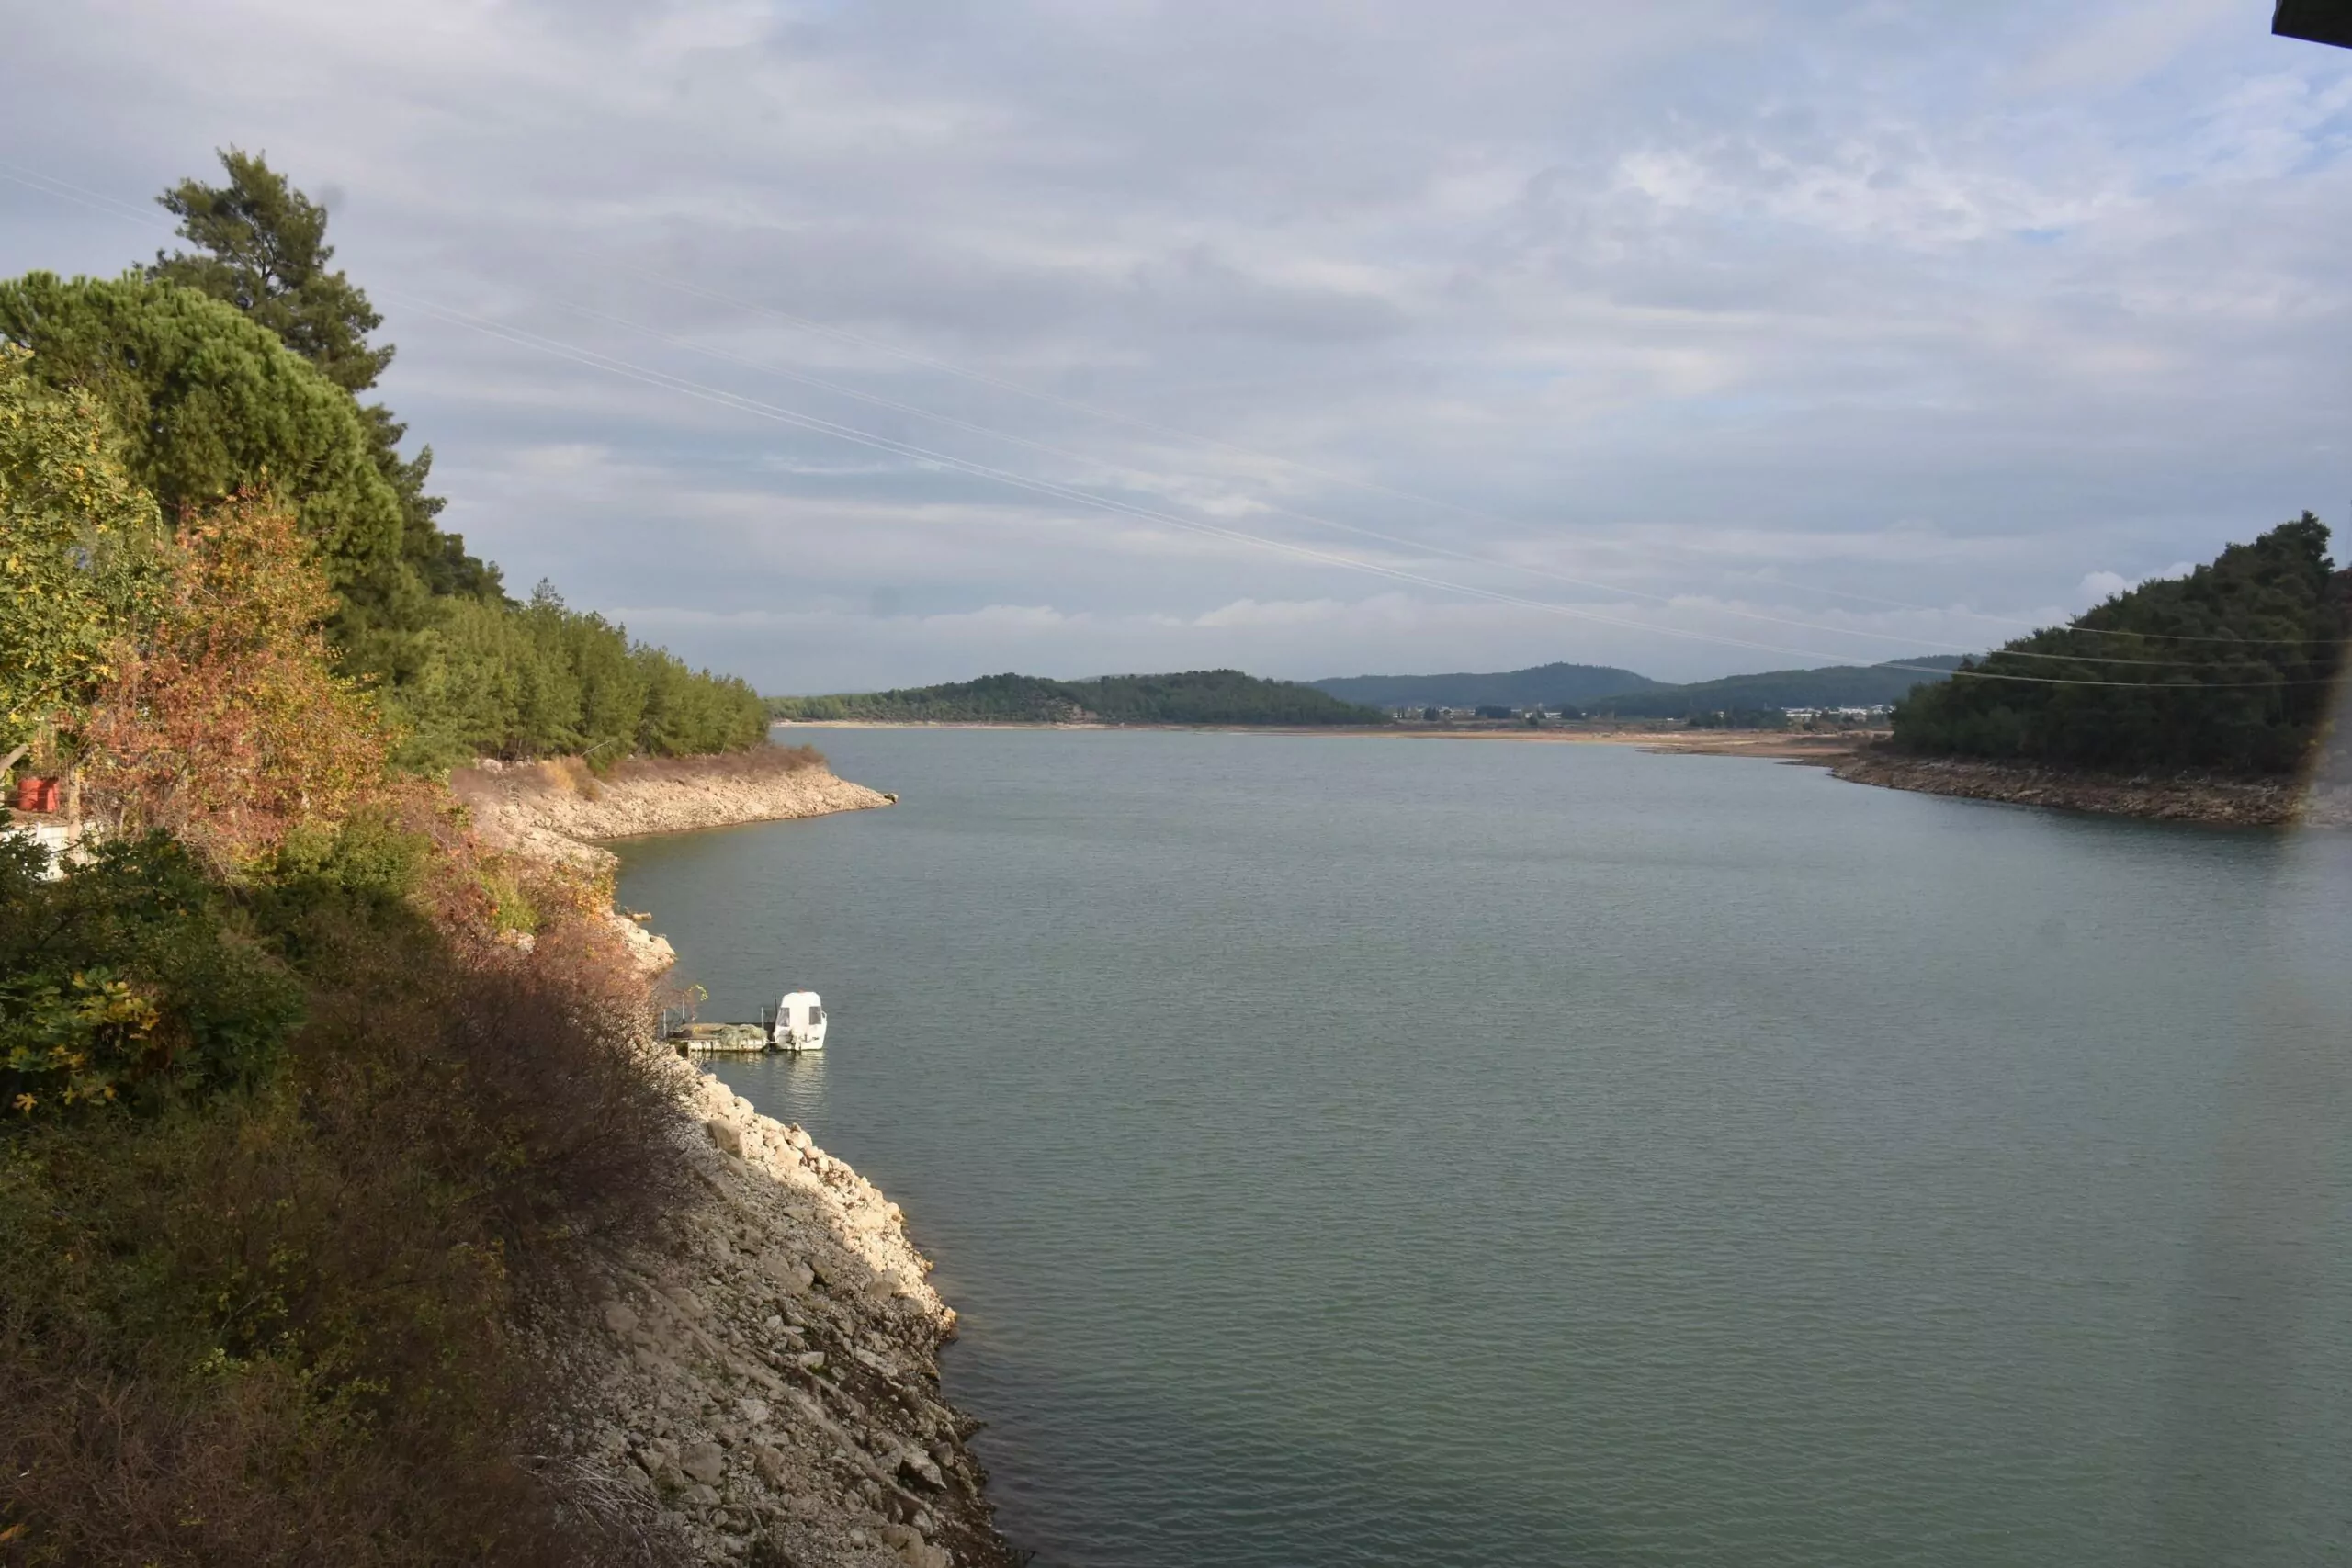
column 798, row 1023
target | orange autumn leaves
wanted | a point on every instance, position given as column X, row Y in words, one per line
column 224, row 722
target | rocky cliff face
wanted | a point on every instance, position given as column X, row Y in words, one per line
column 764, row 1390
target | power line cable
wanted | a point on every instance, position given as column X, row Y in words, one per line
column 591, row 358
column 1115, row 416
column 878, row 401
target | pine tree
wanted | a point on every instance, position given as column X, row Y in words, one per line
column 260, row 246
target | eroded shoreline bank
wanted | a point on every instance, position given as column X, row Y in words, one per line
column 2161, row 797
column 560, row 811
column 763, row 1385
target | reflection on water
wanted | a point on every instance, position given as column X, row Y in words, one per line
column 2255, row 1410
column 1805, row 1175
column 787, row 1085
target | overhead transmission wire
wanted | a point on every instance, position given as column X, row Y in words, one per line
column 595, row 360
column 1095, row 411
column 115, row 207
column 953, row 421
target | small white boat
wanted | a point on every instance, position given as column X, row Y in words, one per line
column 796, row 1023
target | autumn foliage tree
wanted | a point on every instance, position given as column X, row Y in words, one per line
column 226, row 723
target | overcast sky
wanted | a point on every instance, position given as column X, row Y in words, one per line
column 1320, row 338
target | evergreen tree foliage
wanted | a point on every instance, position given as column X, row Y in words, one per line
column 543, row 679
column 229, row 371
column 208, row 403
column 2228, row 668
column 260, row 246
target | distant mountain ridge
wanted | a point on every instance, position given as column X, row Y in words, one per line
column 1832, row 686
column 1550, row 684
column 1597, row 688
column 1194, row 696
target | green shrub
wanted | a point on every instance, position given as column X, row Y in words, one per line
column 127, row 983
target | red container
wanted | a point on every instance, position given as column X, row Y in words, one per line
column 37, row 795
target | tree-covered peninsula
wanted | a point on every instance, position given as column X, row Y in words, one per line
column 2229, row 670
column 1197, row 697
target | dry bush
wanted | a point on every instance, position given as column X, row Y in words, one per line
column 569, row 775
column 524, row 1074
column 285, row 1325
column 245, row 1339
column 755, row 762
column 287, row 1329
column 104, row 1466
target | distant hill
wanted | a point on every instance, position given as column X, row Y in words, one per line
column 1546, row 684
column 1599, row 688
column 1835, row 686
column 1194, row 696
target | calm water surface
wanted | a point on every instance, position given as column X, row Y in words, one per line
column 1374, row 1151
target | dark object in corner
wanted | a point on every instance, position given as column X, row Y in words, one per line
column 2320, row 21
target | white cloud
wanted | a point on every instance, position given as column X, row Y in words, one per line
column 2097, row 587
column 1692, row 300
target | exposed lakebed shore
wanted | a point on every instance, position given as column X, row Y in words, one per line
column 557, row 811
column 763, row 1386
column 2167, row 798
column 1862, row 757
column 2204, row 798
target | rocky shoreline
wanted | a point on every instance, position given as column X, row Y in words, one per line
column 556, row 811
column 764, row 1389
column 2175, row 797
column 761, row 1388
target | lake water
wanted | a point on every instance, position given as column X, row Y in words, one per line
column 1372, row 1151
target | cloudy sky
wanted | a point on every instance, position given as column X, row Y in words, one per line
column 845, row 344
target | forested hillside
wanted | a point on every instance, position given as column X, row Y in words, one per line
column 1199, row 696
column 2227, row 668
column 1599, row 689
column 1546, row 685
column 235, row 367
column 1832, row 686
